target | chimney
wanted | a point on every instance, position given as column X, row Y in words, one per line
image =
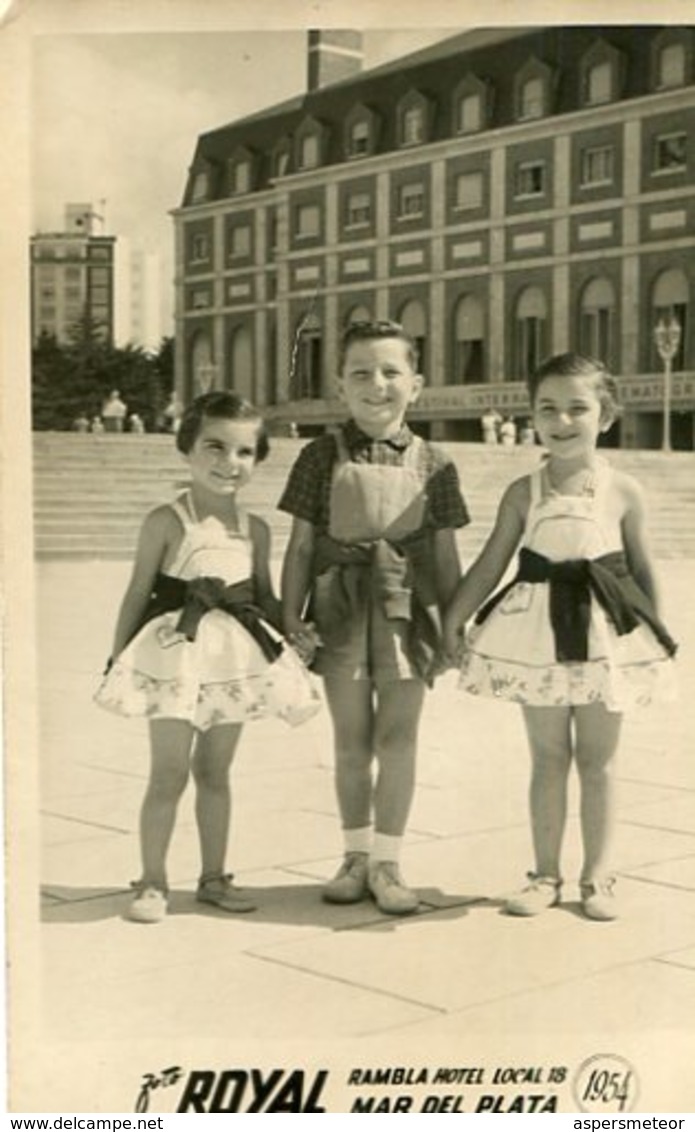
column 333, row 55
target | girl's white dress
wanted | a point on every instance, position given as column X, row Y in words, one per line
column 511, row 655
column 222, row 676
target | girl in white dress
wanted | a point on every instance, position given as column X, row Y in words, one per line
column 196, row 650
column 575, row 638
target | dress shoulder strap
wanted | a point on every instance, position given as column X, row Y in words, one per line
column 536, row 485
column 182, row 509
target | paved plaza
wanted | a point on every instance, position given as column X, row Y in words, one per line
column 298, row 970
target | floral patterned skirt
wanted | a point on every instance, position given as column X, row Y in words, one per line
column 220, row 677
column 511, row 656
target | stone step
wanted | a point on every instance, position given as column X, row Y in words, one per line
column 91, row 492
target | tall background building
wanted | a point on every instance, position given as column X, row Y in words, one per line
column 81, row 271
column 504, row 193
column 72, row 275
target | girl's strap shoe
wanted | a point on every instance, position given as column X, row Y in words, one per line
column 220, row 891
column 540, row 893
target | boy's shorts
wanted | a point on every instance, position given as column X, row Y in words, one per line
column 374, row 648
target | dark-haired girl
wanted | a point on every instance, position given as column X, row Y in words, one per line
column 196, row 650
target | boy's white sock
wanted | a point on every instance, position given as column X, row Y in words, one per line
column 386, row 847
column 358, row 840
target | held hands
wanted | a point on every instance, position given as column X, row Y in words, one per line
column 453, row 640
column 303, row 638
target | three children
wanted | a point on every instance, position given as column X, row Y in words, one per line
column 372, row 598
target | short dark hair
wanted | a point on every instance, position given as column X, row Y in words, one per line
column 220, row 405
column 579, row 365
column 367, row 331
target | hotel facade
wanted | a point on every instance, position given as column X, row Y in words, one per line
column 505, row 194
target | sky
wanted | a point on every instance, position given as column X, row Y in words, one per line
column 115, row 117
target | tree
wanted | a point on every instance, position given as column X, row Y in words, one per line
column 78, row 376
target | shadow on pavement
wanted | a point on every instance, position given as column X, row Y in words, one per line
column 294, row 904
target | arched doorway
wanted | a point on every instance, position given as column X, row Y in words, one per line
column 202, row 368
column 597, row 321
column 529, row 332
column 670, row 301
column 307, row 359
column 240, row 363
column 357, row 314
column 413, row 320
column 469, row 344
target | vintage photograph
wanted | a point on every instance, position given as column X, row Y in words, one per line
column 350, row 531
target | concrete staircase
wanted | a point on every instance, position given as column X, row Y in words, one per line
column 91, row 492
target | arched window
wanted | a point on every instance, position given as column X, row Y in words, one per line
column 529, row 332
column 358, row 314
column 306, row 361
column 597, row 320
column 469, row 341
column 413, row 320
column 670, row 301
column 241, row 363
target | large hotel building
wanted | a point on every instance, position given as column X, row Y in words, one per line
column 504, row 193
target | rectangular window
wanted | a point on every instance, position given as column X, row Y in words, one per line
column 99, row 275
column 359, row 210
column 73, row 292
column 200, row 299
column 470, row 114
column 199, row 249
column 469, row 191
column 529, row 179
column 307, row 220
column 76, row 272
column 99, row 253
column 597, row 166
column 411, row 199
column 240, row 242
column 670, row 153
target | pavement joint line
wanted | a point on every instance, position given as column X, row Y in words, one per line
column 666, row 962
column 658, row 828
column 110, row 770
column 83, row 821
column 106, row 893
column 657, row 883
column 366, row 987
column 662, row 785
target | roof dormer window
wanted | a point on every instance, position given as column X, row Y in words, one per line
column 600, row 74
column 360, row 132
column 240, row 171
column 672, row 53
column 311, row 138
column 412, row 115
column 200, row 188
column 471, row 105
column 533, row 89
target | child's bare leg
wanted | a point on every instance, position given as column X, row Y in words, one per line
column 170, row 745
column 395, row 746
column 350, row 705
column 596, row 739
column 213, row 756
column 550, row 738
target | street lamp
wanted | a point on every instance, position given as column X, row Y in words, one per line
column 667, row 336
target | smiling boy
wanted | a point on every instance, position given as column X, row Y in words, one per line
column 371, row 563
